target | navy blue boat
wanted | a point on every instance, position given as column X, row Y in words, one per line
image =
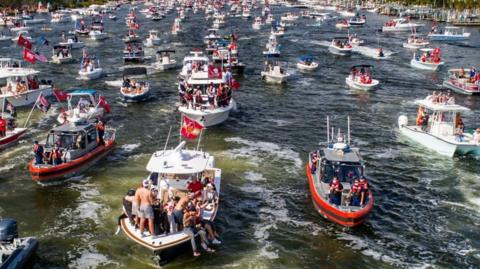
column 15, row 253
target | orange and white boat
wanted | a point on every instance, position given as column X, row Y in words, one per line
column 80, row 148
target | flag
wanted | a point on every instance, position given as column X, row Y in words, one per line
column 190, row 128
column 29, row 56
column 42, row 41
column 234, row 84
column 214, row 72
column 104, row 104
column 41, row 58
column 23, row 42
column 60, row 95
column 43, row 104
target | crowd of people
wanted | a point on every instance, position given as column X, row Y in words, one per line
column 164, row 215
column 217, row 95
column 357, row 196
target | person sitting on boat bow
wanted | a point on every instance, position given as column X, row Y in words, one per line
column 189, row 228
column 336, row 189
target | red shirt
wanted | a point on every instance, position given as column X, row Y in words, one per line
column 195, row 186
column 3, row 125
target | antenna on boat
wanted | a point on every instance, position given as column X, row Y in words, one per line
column 348, row 129
column 333, row 131
column 328, row 130
column 168, row 138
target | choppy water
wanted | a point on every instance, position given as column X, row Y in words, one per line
column 427, row 206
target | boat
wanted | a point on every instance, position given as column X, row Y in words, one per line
column 62, row 54
column 133, row 53
column 212, row 36
column 15, row 252
column 340, row 46
column 83, row 105
column 357, row 20
column 347, row 13
column 135, row 89
column 81, row 28
column 354, row 40
column 80, row 146
column 275, row 72
column 451, row 33
column 277, row 30
column 59, row 18
column 338, row 161
column 170, row 172
column 273, row 48
column 288, row 17
column 342, row 24
column 164, row 60
column 400, row 25
column 131, row 36
column 306, row 63
column 23, row 87
column 469, row 20
column 152, row 39
column 90, row 68
column 97, row 32
column 360, row 78
column 428, row 60
column 12, row 133
column 177, row 26
column 415, row 42
column 20, row 27
column 246, row 13
column 72, row 41
column 257, row 23
column 462, row 80
column 196, row 59
column 24, row 35
column 439, row 127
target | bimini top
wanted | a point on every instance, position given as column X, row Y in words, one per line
column 178, row 161
column 135, row 71
column 18, row 72
column 165, row 51
column 83, row 92
column 341, row 153
column 73, row 128
column 440, row 107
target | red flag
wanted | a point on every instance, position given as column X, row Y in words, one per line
column 29, row 56
column 214, row 72
column 104, row 104
column 23, row 42
column 60, row 95
column 234, row 84
column 190, row 128
column 43, row 104
column 41, row 58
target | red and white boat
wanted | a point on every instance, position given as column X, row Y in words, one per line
column 80, row 149
column 466, row 81
column 338, row 160
column 11, row 137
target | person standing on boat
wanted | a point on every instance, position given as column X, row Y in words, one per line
column 336, row 189
column 39, row 153
column 3, row 127
column 364, row 190
column 56, row 155
column 180, row 207
column 145, row 209
column 101, row 132
column 355, row 193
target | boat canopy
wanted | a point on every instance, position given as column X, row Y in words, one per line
column 83, row 92
column 178, row 161
column 165, row 51
column 341, row 38
column 61, row 47
column 18, row 72
column 134, row 71
column 72, row 128
column 441, row 107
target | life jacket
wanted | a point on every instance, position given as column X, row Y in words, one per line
column 56, row 154
column 100, row 127
column 356, row 188
column 3, row 125
column 364, row 185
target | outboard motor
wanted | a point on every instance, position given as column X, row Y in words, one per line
column 8, row 230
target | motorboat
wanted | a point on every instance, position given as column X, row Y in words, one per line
column 342, row 24
column 257, row 23
column 131, row 36
column 177, row 26
column 246, row 13
column 277, row 30
column 23, row 87
column 62, row 54
column 196, row 60
column 164, row 60
column 59, row 18
column 347, row 13
column 451, row 33
column 24, row 35
column 269, row 19
column 135, row 87
column 20, row 27
column 340, row 46
column 439, row 127
column 83, row 105
column 133, row 53
column 72, row 41
column 462, row 80
column 207, row 108
column 306, row 63
column 152, row 39
column 212, row 36
column 289, row 17
column 354, row 40
column 80, row 147
column 428, row 59
column 361, row 78
column 15, row 252
column 275, row 72
column 273, row 48
column 81, row 29
column 170, row 172
column 400, row 25
column 357, row 20
column 97, row 32
column 416, row 42
column 335, row 164
column 90, row 68
column 13, row 132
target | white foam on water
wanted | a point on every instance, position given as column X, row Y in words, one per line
column 279, row 123
column 130, row 147
column 254, row 176
column 114, row 83
column 89, row 259
column 321, row 43
column 7, row 167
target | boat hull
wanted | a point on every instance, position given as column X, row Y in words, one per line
column 360, row 86
column 209, row 117
column 436, row 37
column 339, row 51
column 12, row 137
column 424, row 65
column 269, row 78
column 95, row 74
column 28, row 98
column 305, row 67
column 461, row 88
column 21, row 257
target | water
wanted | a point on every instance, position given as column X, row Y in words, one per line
column 426, row 211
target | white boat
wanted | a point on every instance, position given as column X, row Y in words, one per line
column 72, row 41
column 462, row 80
column 415, row 42
column 135, row 87
column 400, row 25
column 277, row 30
column 62, row 54
column 360, row 78
column 342, row 24
column 437, row 128
column 90, row 68
column 340, row 46
column 83, row 105
column 97, row 34
column 451, row 33
column 22, row 86
column 152, row 39
column 346, row 13
column 306, row 63
column 25, row 35
column 20, row 28
column 275, row 73
column 59, row 18
column 357, row 21
column 428, row 60
column 164, row 61
column 246, row 13
column 289, row 17
column 171, row 171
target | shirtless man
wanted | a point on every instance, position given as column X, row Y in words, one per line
column 145, row 210
column 181, row 205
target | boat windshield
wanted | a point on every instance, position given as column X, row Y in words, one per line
column 344, row 172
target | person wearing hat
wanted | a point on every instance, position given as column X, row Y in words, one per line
column 56, row 155
column 39, row 153
column 336, row 189
column 364, row 190
column 355, row 193
column 145, row 209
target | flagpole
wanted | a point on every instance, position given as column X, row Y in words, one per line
column 199, row 139
column 168, row 138
column 180, row 131
column 31, row 111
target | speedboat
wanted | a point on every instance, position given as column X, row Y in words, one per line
column 360, row 78
column 451, row 33
column 400, row 25
column 23, row 87
column 357, row 20
column 177, row 26
column 338, row 161
column 13, row 133
column 97, row 33
column 90, row 68
column 347, row 13
column 342, row 24
column 72, row 41
column 83, row 105
column 24, row 35
column 152, row 39
column 354, row 40
column 80, row 148
column 277, row 30
column 428, row 60
column 273, row 48
column 62, row 54
column 437, row 127
column 340, row 46
column 133, row 53
column 170, row 172
column 131, row 36
column 212, row 36
column 135, row 89
column 275, row 72
column 59, row 18
column 462, row 80
column 415, row 42
column 306, row 63
column 289, row 17
column 15, row 252
column 164, row 60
